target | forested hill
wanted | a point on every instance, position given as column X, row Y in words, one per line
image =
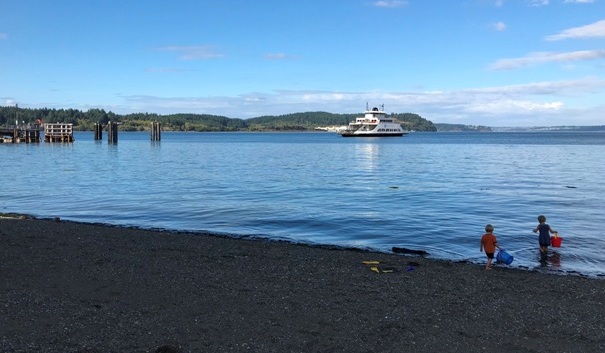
column 196, row 122
column 311, row 120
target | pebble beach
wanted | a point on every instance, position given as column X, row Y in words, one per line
column 76, row 287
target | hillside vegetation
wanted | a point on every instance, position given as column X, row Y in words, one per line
column 85, row 121
column 462, row 127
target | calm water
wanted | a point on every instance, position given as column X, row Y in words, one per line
column 430, row 191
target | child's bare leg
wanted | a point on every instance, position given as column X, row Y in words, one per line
column 489, row 264
column 543, row 253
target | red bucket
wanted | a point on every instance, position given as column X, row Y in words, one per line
column 556, row 241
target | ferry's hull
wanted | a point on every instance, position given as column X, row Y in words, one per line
column 352, row 134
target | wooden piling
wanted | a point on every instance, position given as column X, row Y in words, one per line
column 156, row 134
column 112, row 132
column 98, row 131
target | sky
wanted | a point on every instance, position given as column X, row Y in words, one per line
column 475, row 62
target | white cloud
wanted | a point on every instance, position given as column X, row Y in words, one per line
column 596, row 29
column 545, row 57
column 390, row 3
column 279, row 56
column 9, row 103
column 538, row 2
column 193, row 52
column 512, row 106
column 167, row 69
column 549, row 103
column 569, row 102
column 555, row 88
column 579, row 1
column 499, row 26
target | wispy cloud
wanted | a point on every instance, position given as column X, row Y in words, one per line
column 167, row 69
column 538, row 2
column 280, row 56
column 593, row 30
column 499, row 26
column 579, row 1
column 500, row 105
column 560, row 88
column 3, row 36
column 390, row 3
column 546, row 57
column 193, row 52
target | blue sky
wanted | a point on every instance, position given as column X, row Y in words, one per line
column 484, row 62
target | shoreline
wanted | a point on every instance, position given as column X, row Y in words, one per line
column 395, row 251
column 77, row 287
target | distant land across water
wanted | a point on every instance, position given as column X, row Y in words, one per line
column 482, row 128
column 306, row 121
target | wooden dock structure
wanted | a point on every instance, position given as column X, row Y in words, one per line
column 17, row 134
column 58, row 132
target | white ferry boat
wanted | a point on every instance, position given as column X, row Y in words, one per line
column 374, row 123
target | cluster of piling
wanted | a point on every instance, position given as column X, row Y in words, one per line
column 112, row 132
column 156, row 131
column 98, row 129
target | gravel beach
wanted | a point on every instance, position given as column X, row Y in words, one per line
column 73, row 287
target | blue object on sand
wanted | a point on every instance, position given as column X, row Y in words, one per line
column 504, row 257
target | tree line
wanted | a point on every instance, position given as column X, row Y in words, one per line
column 85, row 121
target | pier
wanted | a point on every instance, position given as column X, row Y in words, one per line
column 58, row 132
column 17, row 134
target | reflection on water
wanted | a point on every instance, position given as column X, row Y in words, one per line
column 554, row 259
column 367, row 156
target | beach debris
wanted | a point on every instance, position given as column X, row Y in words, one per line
column 385, row 269
column 168, row 349
column 14, row 216
column 370, row 262
column 375, row 266
column 410, row 268
column 409, row 251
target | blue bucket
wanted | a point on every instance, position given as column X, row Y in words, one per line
column 504, row 257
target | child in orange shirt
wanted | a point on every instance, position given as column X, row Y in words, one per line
column 489, row 244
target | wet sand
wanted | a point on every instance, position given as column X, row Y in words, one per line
column 72, row 287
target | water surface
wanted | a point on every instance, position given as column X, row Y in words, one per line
column 430, row 191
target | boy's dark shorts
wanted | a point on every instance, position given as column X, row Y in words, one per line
column 490, row 255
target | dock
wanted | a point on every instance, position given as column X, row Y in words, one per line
column 58, row 132
column 18, row 134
